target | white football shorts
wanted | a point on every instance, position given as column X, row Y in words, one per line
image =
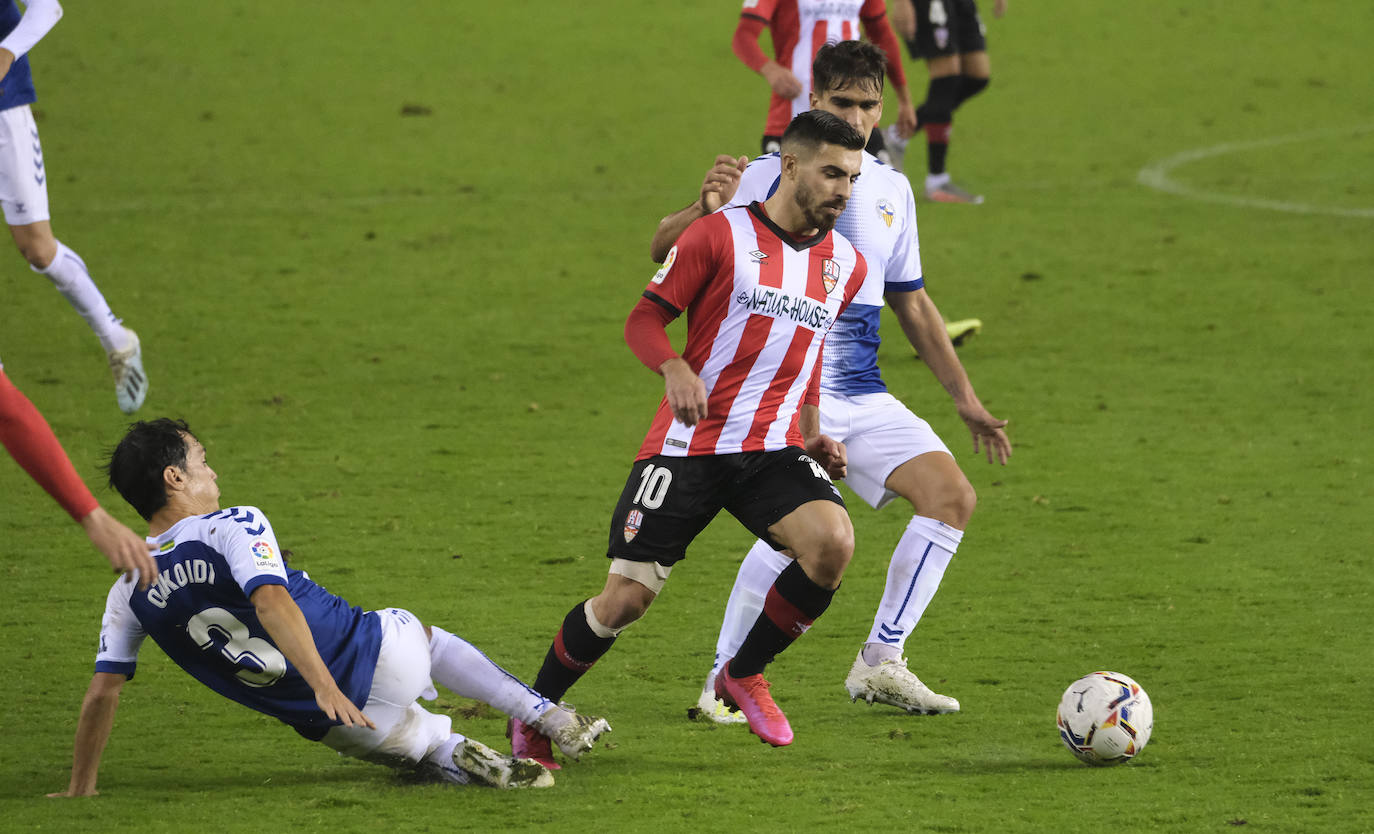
column 23, row 179
column 405, row 729
column 879, row 434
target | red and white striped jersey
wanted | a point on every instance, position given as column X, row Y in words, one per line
column 799, row 29
column 759, row 305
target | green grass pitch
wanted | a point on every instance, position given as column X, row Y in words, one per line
column 380, row 258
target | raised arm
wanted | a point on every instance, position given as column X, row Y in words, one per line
column 289, row 631
column 92, row 731
column 925, row 329
column 717, row 189
column 30, row 440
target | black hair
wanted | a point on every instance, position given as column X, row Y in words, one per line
column 816, row 127
column 840, row 64
column 136, row 464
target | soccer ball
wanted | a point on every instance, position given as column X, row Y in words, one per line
column 1105, row 718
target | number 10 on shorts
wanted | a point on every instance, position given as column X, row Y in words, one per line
column 653, row 487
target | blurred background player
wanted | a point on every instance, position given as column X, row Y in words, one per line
column 949, row 36
column 24, row 197
column 799, row 28
column 891, row 451
column 228, row 611
column 32, row 444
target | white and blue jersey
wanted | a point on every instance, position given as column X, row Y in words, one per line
column 17, row 86
column 198, row 611
column 880, row 220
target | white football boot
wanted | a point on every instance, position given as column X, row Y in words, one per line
column 714, row 709
column 484, row 766
column 131, row 383
column 890, row 682
column 574, row 734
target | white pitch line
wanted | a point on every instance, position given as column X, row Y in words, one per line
column 1156, row 175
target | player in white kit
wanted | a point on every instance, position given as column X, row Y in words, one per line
column 24, row 199
column 227, row 610
column 891, row 451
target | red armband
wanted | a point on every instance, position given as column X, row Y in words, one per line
column 31, row 442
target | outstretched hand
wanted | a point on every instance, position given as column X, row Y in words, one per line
column 988, row 432
column 126, row 550
column 721, row 182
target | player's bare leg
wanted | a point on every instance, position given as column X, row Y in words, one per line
column 50, row 257
column 943, row 500
column 820, row 537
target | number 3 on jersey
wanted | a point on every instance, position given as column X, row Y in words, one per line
column 263, row 664
column 653, row 487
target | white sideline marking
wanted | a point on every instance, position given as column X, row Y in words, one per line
column 1156, row 175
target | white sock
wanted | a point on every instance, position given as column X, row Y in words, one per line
column 934, row 181
column 68, row 272
column 458, row 665
column 441, row 760
column 757, row 573
column 913, row 576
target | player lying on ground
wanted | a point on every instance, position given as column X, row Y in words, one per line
column 736, row 430
column 229, row 612
column 891, row 451
column 32, row 444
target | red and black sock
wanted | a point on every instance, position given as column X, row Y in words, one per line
column 792, row 604
column 575, row 648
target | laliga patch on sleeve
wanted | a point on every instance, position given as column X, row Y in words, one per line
column 264, row 558
column 667, row 265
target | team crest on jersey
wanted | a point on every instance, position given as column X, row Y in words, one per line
column 632, row 522
column 886, row 211
column 667, row 265
column 830, row 274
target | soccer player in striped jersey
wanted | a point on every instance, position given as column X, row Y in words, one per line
column 32, row 444
column 891, row 451
column 228, row 611
column 799, row 28
column 762, row 285
column 24, row 199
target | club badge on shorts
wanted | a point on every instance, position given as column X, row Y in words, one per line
column 830, row 274
column 632, row 522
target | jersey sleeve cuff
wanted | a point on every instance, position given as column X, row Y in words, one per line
column 116, row 667
column 904, row 286
column 258, row 581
